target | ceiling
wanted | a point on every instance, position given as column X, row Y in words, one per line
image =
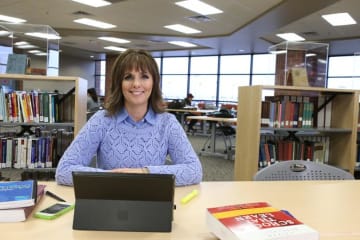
column 246, row 26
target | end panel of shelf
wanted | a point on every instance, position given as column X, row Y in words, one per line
column 247, row 132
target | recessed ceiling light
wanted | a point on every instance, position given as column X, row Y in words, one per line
column 119, row 49
column 93, row 3
column 43, row 35
column 182, row 28
column 11, row 19
column 114, row 39
column 94, row 23
column 182, row 43
column 339, row 19
column 199, row 7
column 290, row 37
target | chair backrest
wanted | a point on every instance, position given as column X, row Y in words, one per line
column 301, row 170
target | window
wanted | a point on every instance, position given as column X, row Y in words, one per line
column 235, row 64
column 100, row 69
column 204, row 65
column 174, row 77
column 344, row 72
column 174, row 86
column 229, row 84
column 203, row 87
column 175, row 65
column 264, row 64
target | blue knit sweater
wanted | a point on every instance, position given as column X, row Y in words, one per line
column 119, row 142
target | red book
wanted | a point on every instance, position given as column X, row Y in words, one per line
column 256, row 221
column 21, row 214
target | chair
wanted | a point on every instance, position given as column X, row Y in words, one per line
column 227, row 132
column 301, row 170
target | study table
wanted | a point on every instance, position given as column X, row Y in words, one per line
column 211, row 148
column 183, row 111
column 330, row 207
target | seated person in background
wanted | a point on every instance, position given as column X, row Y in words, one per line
column 192, row 122
column 133, row 133
column 92, row 100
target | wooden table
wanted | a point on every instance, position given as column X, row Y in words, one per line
column 330, row 207
column 183, row 111
column 211, row 147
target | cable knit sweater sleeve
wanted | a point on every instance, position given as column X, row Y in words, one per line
column 120, row 145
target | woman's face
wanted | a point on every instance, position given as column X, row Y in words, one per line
column 137, row 87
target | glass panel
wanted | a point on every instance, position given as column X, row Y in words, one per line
column 174, row 86
column 235, row 64
column 228, row 89
column 204, row 65
column 264, row 64
column 203, row 87
column 175, row 65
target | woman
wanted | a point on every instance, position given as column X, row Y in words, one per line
column 132, row 134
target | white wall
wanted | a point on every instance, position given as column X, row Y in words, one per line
column 79, row 67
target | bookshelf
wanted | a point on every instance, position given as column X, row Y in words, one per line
column 342, row 132
column 40, row 143
column 50, row 83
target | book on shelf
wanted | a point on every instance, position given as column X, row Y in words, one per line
column 16, row 63
column 21, row 214
column 16, row 194
column 256, row 221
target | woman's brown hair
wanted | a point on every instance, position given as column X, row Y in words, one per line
column 139, row 60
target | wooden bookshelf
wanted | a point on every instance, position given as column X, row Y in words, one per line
column 50, row 83
column 342, row 131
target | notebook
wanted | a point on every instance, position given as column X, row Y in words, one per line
column 123, row 201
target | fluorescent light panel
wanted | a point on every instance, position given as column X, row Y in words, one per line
column 113, row 48
column 43, row 35
column 114, row 39
column 199, row 7
column 290, row 37
column 34, row 51
column 20, row 43
column 4, row 33
column 182, row 43
column 27, row 46
column 11, row 19
column 94, row 23
column 181, row 28
column 339, row 19
column 41, row 54
column 93, row 3
column 278, row 52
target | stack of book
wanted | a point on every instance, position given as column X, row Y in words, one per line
column 18, row 199
column 256, row 221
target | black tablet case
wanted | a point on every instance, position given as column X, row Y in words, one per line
column 123, row 201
